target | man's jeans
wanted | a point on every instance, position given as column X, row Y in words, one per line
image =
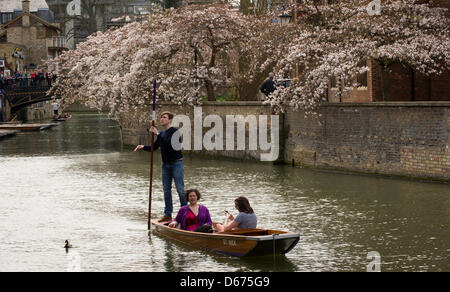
column 173, row 171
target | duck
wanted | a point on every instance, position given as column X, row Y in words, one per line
column 68, row 244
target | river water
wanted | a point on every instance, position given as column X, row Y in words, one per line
column 75, row 181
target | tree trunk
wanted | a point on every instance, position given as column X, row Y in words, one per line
column 208, row 83
column 89, row 8
column 384, row 80
column 244, row 6
column 210, row 90
column 413, row 85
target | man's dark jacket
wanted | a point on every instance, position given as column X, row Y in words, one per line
column 164, row 140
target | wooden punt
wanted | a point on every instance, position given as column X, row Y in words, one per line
column 26, row 127
column 62, row 119
column 239, row 243
column 11, row 123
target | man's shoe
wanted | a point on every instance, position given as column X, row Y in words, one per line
column 165, row 218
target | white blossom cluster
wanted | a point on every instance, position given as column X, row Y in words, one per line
column 192, row 50
column 335, row 41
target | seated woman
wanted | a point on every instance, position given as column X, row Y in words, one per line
column 245, row 219
column 193, row 215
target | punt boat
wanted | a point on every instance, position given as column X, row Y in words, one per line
column 61, row 119
column 26, row 127
column 239, row 243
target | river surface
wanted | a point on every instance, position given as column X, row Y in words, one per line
column 76, row 181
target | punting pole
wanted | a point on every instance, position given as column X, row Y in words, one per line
column 151, row 157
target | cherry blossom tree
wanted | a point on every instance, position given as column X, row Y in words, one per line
column 334, row 41
column 192, row 50
column 189, row 51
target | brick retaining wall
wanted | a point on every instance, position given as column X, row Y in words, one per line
column 409, row 139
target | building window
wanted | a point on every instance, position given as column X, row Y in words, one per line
column 40, row 32
column 6, row 17
column 361, row 79
column 333, row 82
column 48, row 33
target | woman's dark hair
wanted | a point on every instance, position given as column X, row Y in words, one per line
column 186, row 194
column 243, row 205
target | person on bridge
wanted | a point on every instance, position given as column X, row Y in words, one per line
column 172, row 167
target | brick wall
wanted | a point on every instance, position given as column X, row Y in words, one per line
column 440, row 87
column 409, row 139
column 395, row 83
column 400, row 81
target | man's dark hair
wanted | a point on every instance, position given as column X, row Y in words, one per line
column 169, row 114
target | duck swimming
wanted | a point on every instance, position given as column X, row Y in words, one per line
column 68, row 244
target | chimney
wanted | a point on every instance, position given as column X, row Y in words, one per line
column 26, row 9
column 26, row 6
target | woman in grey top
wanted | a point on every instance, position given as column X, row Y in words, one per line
column 245, row 219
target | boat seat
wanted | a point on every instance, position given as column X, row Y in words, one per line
column 248, row 232
column 177, row 227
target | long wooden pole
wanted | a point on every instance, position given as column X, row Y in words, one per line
column 151, row 157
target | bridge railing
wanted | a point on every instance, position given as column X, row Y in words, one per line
column 20, row 97
column 26, row 89
column 24, row 84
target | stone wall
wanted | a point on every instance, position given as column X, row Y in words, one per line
column 35, row 48
column 406, row 139
column 12, row 63
column 42, row 111
column 134, row 133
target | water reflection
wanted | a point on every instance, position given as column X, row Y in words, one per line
column 76, row 182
